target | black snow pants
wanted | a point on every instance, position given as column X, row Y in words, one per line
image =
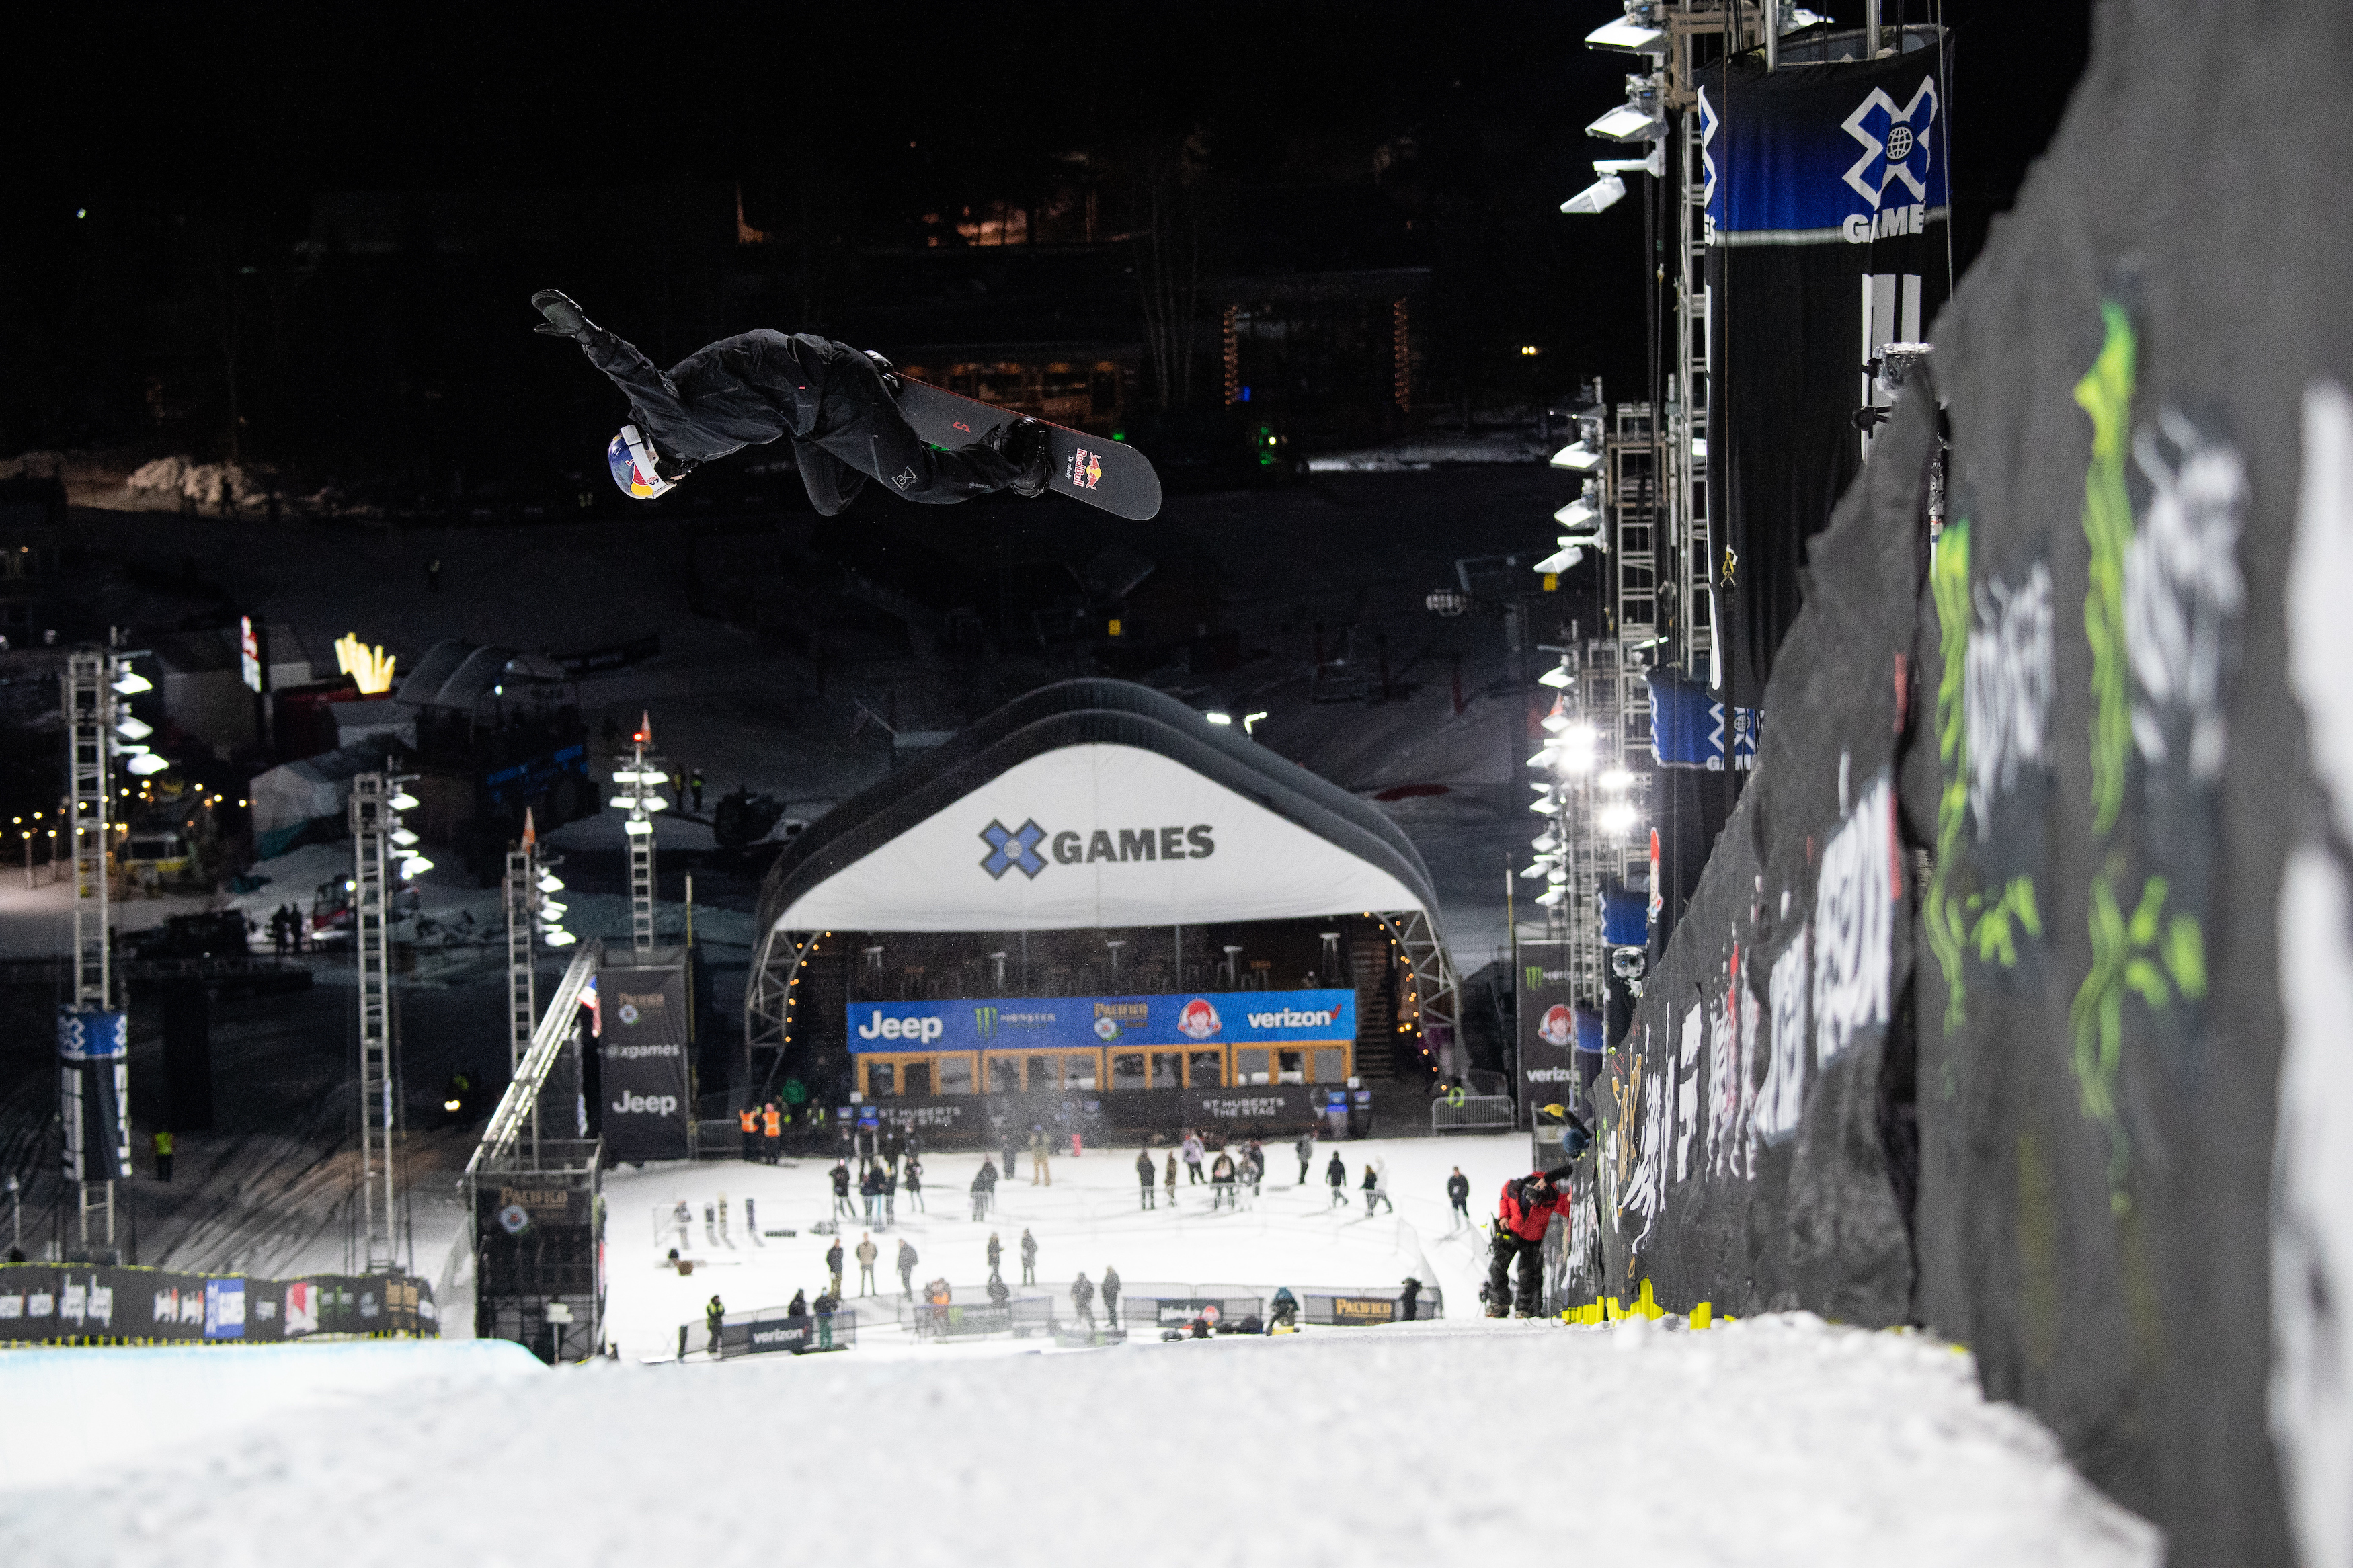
column 861, row 434
column 1499, row 1284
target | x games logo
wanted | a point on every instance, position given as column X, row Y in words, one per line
column 1007, row 851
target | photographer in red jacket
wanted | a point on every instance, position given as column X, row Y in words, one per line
column 1523, row 1212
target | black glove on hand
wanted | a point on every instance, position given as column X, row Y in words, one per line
column 564, row 317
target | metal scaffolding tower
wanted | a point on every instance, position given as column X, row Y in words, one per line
column 521, row 897
column 90, row 678
column 645, row 773
column 375, row 805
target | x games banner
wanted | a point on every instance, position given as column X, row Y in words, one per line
column 1827, row 210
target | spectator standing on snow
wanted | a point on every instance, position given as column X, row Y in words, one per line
column 867, row 1253
column 1144, row 1176
column 840, row 1174
column 1458, row 1192
column 1111, row 1296
column 833, row 1269
column 1337, row 1175
column 1012, row 1151
column 713, row 1316
column 1221, row 1181
column 890, row 1196
column 1254, row 1165
column 1029, row 1258
column 869, row 1189
column 1042, row 1149
column 1193, row 1153
column 1082, row 1300
column 1172, row 1180
column 824, row 1305
column 996, row 1251
column 915, row 1183
column 1376, row 1179
column 1410, row 1299
column 1305, row 1150
column 907, row 1261
column 800, row 1308
column 984, row 1189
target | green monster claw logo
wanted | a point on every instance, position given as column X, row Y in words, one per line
column 2145, row 952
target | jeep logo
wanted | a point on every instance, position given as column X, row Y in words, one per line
column 647, row 1104
column 922, row 1030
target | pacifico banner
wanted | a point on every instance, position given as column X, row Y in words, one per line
column 1204, row 1018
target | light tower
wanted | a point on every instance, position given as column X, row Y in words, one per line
column 643, row 776
column 93, row 1069
column 383, row 853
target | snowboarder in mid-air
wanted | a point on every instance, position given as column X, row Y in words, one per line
column 833, row 401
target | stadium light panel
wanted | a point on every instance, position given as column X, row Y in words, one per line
column 1616, row 817
column 1559, row 676
column 1627, row 37
column 130, row 683
column 145, row 763
column 134, row 728
column 1576, row 515
column 1564, row 561
column 1577, row 457
column 403, row 801
column 1626, row 123
column 1599, row 196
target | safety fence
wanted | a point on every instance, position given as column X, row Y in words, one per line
column 1459, row 1112
column 968, row 1311
column 766, row 1330
column 107, row 1304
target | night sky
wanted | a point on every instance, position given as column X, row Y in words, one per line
column 603, row 152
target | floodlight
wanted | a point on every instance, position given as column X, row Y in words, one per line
column 559, row 938
column 402, row 837
column 630, row 776
column 1557, row 677
column 403, row 801
column 452, row 1104
column 1601, row 194
column 1564, row 561
column 1556, row 876
column 126, row 749
column 1551, row 897
column 1546, row 845
column 549, row 882
column 650, row 802
column 1220, row 718
column 133, row 728
column 637, row 829
column 416, row 866
column 1535, row 873
column 130, row 683
column 1578, row 458
column 1557, row 719
column 1628, row 36
column 1540, row 785
column 1654, row 166
column 1626, row 123
column 146, row 763
column 549, row 910
column 1249, row 720
column 1576, row 515
column 1798, row 16
column 1699, row 447
column 1614, row 817
column 1541, row 759
column 1616, row 778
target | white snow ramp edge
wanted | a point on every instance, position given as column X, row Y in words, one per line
column 1776, row 1441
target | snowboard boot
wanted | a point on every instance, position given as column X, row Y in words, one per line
column 564, row 319
column 1023, row 444
column 1497, row 1309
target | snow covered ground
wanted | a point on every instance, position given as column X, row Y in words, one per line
column 1088, row 1217
column 1779, row 1440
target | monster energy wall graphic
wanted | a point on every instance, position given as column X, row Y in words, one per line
column 2013, row 1001
column 1826, row 206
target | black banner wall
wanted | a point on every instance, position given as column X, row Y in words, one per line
column 2013, row 1000
column 643, row 1085
column 69, row 1304
column 1827, row 212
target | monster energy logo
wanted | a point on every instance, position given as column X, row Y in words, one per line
column 985, row 1020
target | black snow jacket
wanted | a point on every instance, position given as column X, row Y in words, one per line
column 736, row 393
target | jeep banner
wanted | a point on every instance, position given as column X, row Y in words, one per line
column 1046, row 1023
column 648, row 1103
column 1547, row 1024
column 77, row 1304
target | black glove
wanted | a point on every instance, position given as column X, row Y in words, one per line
column 564, row 318
column 888, row 372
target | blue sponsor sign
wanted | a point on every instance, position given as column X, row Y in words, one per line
column 1852, row 153
column 1068, row 1023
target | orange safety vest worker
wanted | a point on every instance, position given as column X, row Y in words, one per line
column 744, row 1119
column 772, row 1123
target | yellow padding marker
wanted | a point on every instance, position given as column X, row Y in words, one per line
column 1702, row 1315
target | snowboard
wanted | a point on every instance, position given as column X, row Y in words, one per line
column 1096, row 469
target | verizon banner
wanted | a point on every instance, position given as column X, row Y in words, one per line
column 648, row 1101
column 1826, row 217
